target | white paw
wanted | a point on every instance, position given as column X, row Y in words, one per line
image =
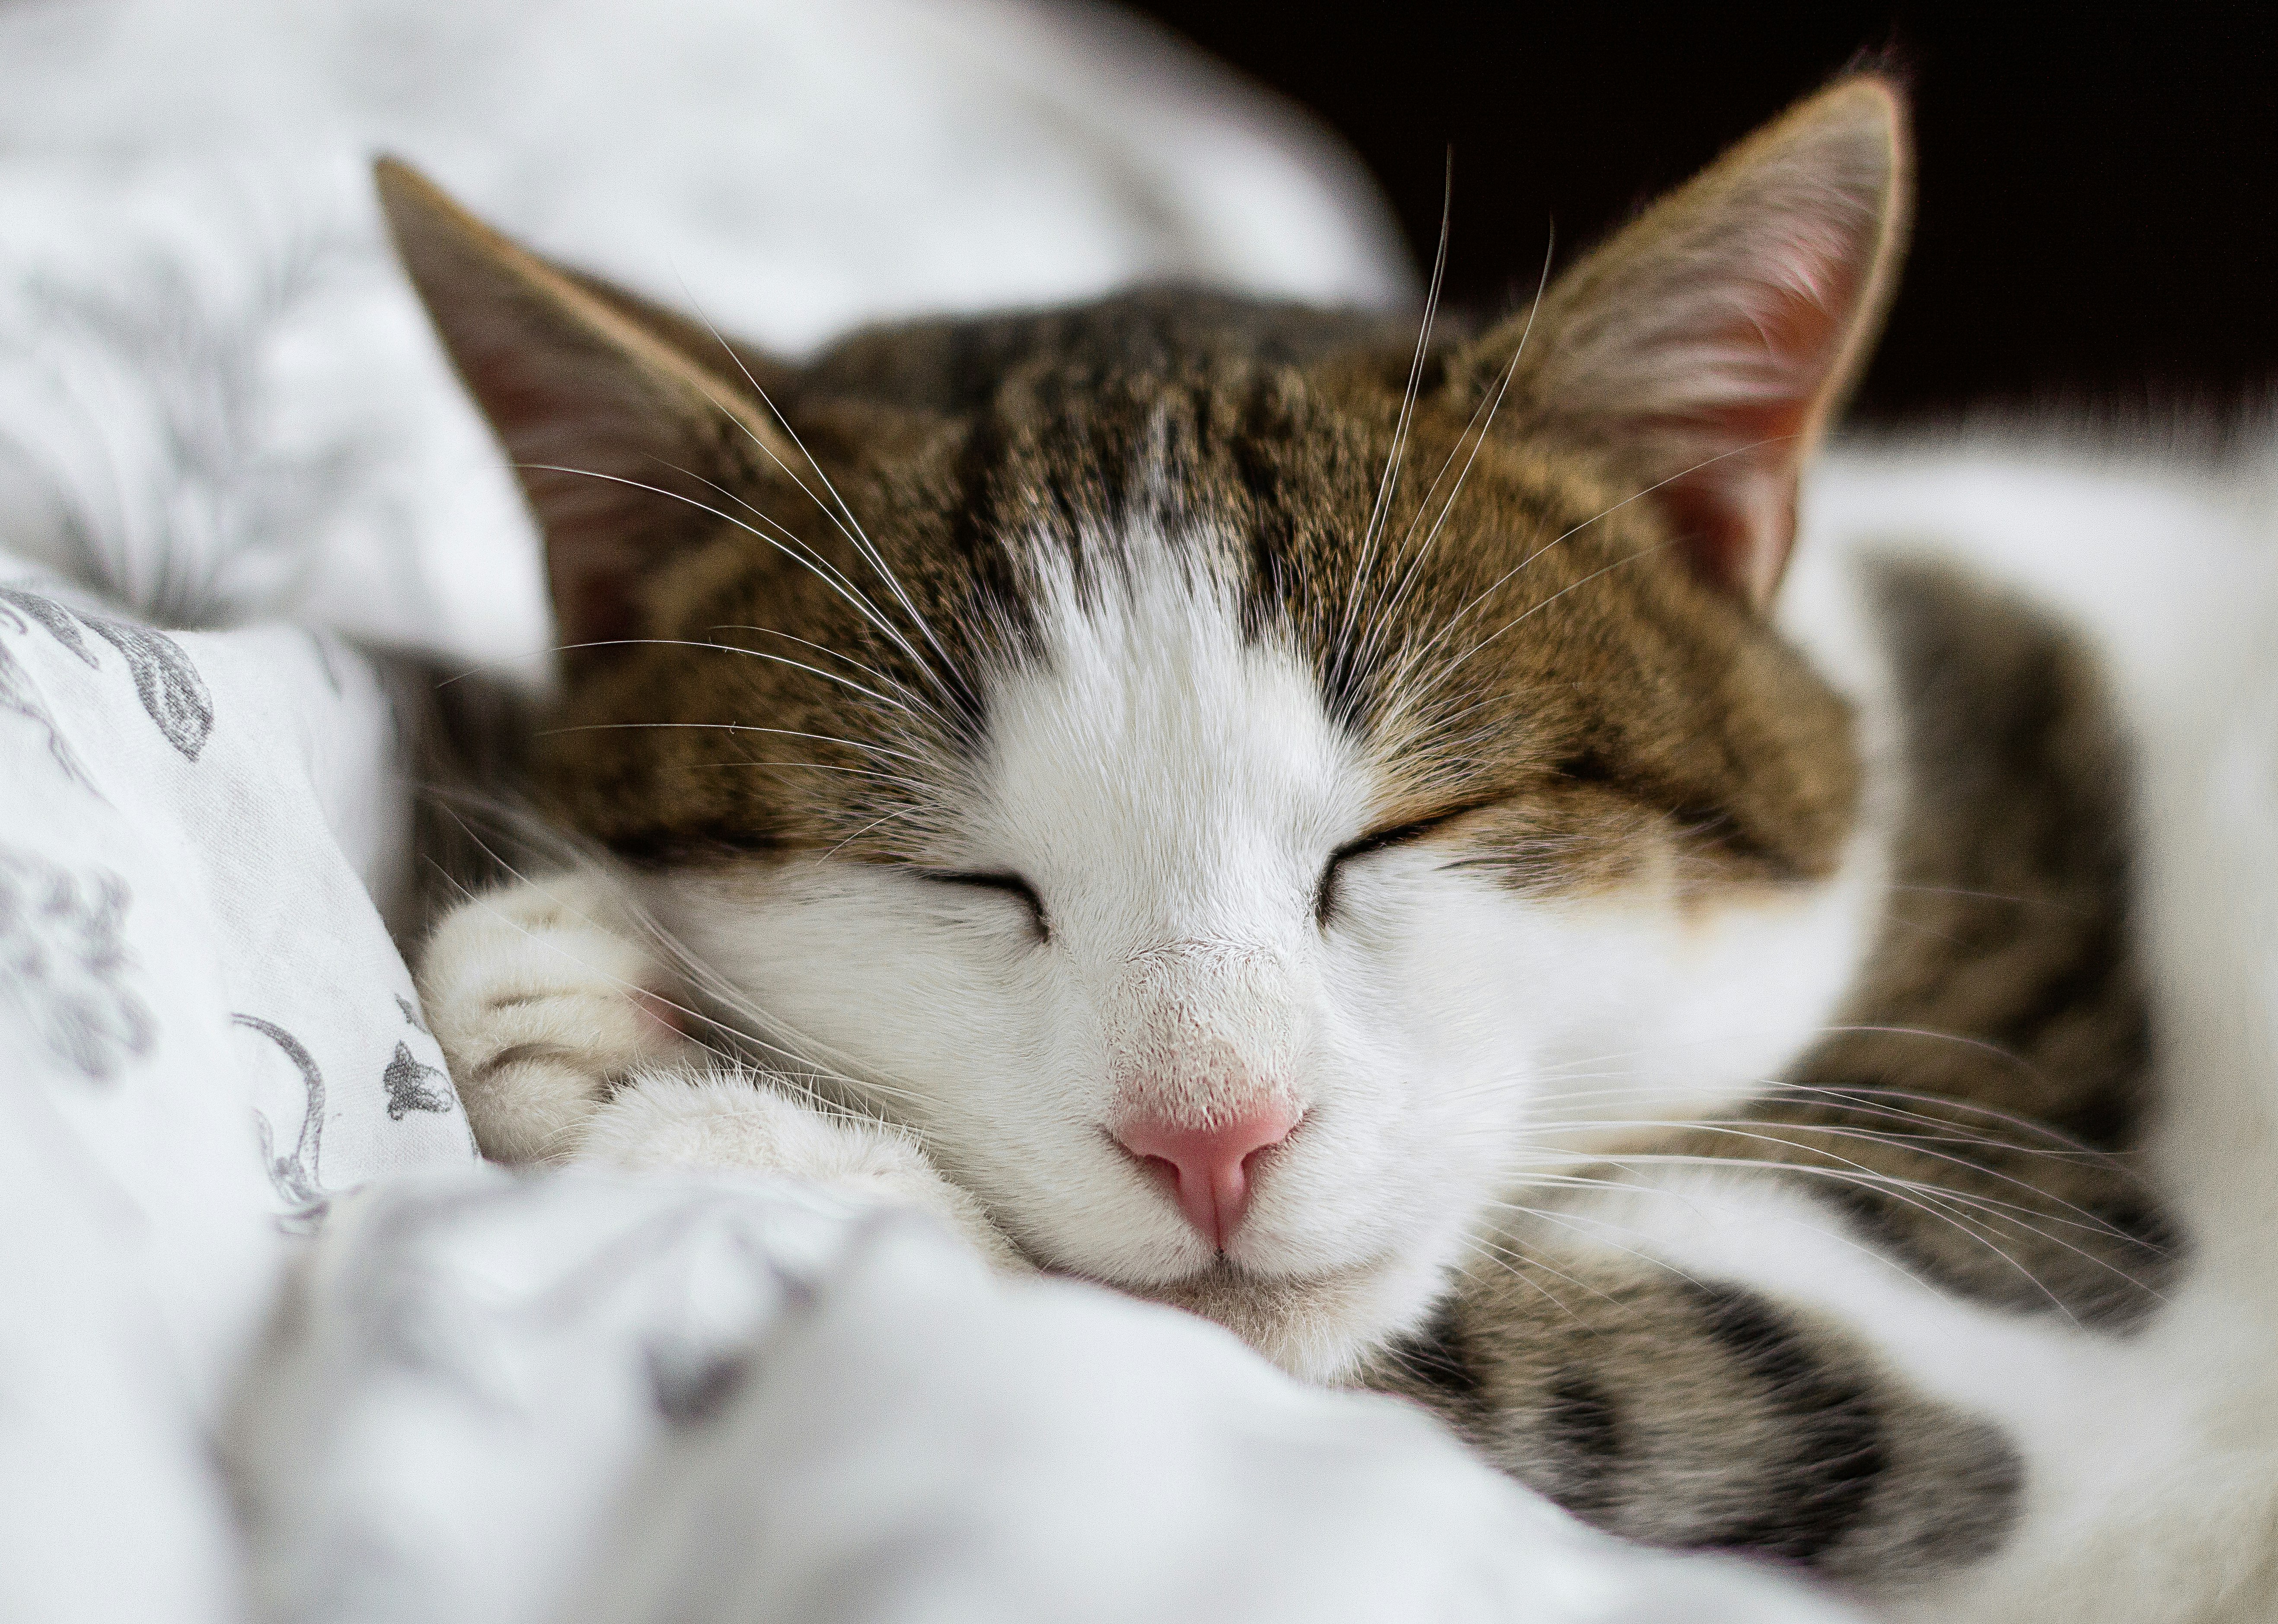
column 661, row 1119
column 542, row 1001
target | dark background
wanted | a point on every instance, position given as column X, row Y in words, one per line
column 2098, row 220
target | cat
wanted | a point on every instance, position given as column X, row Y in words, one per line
column 1319, row 823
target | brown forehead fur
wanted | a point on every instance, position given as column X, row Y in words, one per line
column 1520, row 636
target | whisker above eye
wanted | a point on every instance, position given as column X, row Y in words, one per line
column 1380, row 510
column 869, row 671
column 729, row 726
column 790, row 538
column 854, row 599
column 687, row 642
column 1385, row 616
column 850, row 528
column 1408, row 665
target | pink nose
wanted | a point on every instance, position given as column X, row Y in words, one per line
column 1210, row 1165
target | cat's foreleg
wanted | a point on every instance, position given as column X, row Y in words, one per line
column 727, row 1118
column 565, row 1034
column 1698, row 1412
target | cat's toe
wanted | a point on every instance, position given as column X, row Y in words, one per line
column 541, row 1008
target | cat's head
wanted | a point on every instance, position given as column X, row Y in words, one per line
column 1238, row 782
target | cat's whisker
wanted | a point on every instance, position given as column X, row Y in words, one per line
column 1442, row 732
column 890, row 816
column 789, row 538
column 1539, row 1145
column 729, row 727
column 1520, row 1265
column 883, row 678
column 2041, row 1224
column 1389, row 482
column 843, row 518
column 786, row 539
column 1595, row 1227
column 1413, row 570
column 2035, row 1220
column 914, row 786
column 1515, row 1260
column 1932, row 1205
column 1823, row 1030
column 1988, row 897
column 1380, row 619
column 552, row 650
column 1982, row 1045
column 632, row 991
column 1847, row 1091
column 1508, row 1253
column 854, row 600
column 847, row 524
column 795, row 1054
column 1397, row 682
column 796, row 1051
column 1769, row 1132
column 1453, row 620
column 1694, row 1201
column 1952, row 1133
column 1447, row 673
column 1932, row 1201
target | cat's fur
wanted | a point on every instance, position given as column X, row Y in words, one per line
column 999, row 728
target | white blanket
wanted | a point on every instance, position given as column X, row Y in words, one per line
column 272, row 1344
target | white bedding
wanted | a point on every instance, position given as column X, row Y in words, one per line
column 272, row 1344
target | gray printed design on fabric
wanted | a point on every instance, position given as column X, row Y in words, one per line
column 293, row 1175
column 167, row 683
column 64, row 964
column 52, row 615
column 172, row 693
column 412, row 1084
column 18, row 693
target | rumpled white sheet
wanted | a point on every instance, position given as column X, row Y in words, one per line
column 206, row 1028
column 600, row 1399
column 472, row 1396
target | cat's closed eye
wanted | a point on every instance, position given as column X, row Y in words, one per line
column 1325, row 894
column 1010, row 884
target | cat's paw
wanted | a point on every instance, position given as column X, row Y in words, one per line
column 683, row 1118
column 542, row 1001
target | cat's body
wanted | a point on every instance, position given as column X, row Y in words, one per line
column 1211, row 800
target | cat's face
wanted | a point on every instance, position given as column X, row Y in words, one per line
column 1233, row 806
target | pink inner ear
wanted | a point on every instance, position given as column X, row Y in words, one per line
column 1736, row 513
column 598, row 456
column 1736, row 531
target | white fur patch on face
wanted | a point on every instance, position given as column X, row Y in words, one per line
column 1171, row 791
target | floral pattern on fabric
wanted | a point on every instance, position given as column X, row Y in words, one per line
column 172, row 693
column 65, row 971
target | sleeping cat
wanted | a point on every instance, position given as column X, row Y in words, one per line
column 1316, row 824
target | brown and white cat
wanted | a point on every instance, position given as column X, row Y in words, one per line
column 1317, row 826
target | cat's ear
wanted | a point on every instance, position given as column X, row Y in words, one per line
column 623, row 421
column 1710, row 342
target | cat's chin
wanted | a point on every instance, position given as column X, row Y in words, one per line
column 1318, row 1327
